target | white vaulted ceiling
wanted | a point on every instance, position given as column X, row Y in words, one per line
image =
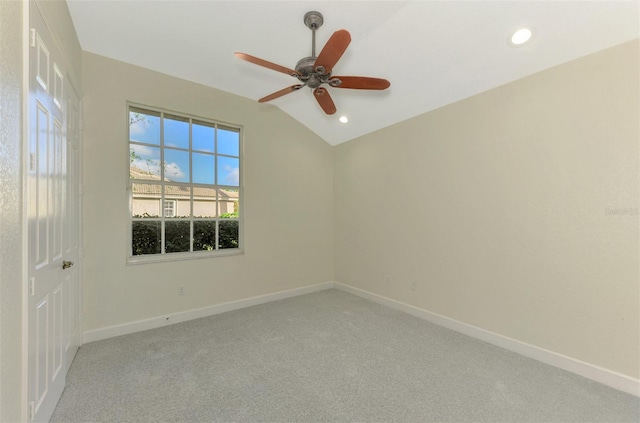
column 433, row 52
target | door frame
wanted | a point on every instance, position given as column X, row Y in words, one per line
column 72, row 85
column 26, row 34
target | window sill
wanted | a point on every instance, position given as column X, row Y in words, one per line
column 162, row 258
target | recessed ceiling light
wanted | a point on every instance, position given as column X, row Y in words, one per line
column 521, row 36
column 343, row 119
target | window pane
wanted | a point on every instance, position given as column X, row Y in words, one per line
column 144, row 126
column 203, row 168
column 228, row 236
column 176, row 236
column 145, row 202
column 146, row 238
column 204, row 235
column 228, row 203
column 203, row 137
column 144, row 162
column 228, row 171
column 176, row 132
column 176, row 165
column 177, row 198
column 228, row 142
column 204, row 202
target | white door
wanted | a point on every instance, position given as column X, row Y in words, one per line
column 53, row 281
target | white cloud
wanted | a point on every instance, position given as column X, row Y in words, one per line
column 148, row 165
column 233, row 175
column 173, row 171
column 140, row 123
column 144, row 151
column 137, row 128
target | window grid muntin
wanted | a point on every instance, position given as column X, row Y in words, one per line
column 216, row 126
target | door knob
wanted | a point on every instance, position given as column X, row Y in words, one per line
column 66, row 264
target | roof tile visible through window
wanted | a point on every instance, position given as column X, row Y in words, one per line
column 137, row 173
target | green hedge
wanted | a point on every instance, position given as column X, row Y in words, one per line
column 146, row 236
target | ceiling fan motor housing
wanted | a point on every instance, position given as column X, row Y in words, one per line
column 305, row 65
column 309, row 75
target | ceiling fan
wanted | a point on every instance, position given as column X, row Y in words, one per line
column 314, row 71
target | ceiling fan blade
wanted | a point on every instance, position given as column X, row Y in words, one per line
column 266, row 64
column 360, row 83
column 333, row 50
column 280, row 93
column 324, row 100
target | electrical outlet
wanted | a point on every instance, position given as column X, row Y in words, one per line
column 413, row 286
column 388, row 279
column 181, row 290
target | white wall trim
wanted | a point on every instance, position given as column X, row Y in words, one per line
column 183, row 316
column 598, row 374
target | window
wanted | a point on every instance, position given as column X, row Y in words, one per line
column 184, row 186
column 169, row 209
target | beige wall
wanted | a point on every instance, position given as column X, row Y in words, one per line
column 288, row 201
column 519, row 210
column 11, row 14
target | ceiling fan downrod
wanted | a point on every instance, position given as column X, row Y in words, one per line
column 313, row 20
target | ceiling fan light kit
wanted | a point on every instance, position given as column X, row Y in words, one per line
column 314, row 71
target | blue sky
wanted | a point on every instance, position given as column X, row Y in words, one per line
column 206, row 166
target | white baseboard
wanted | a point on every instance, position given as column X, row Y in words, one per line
column 169, row 319
column 598, row 374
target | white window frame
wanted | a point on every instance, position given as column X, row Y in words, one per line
column 187, row 255
column 172, row 208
